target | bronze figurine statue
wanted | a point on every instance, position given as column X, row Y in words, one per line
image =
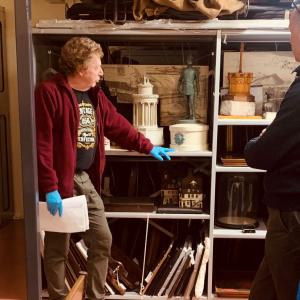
column 188, row 86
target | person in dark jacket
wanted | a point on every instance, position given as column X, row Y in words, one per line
column 72, row 117
column 277, row 150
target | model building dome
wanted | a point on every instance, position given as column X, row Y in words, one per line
column 145, row 87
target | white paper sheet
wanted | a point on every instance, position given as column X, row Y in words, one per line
column 74, row 218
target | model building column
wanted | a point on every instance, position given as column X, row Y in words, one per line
column 144, row 111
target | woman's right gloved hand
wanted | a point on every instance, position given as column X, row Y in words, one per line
column 54, row 203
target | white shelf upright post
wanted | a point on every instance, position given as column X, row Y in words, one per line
column 214, row 160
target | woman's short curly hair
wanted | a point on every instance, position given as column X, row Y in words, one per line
column 76, row 52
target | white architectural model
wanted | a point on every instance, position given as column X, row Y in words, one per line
column 145, row 112
column 169, row 191
column 190, row 193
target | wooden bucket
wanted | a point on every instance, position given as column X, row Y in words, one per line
column 239, row 83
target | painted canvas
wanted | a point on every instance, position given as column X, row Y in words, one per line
column 269, row 68
column 123, row 80
column 272, row 72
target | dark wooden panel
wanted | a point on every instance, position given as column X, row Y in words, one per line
column 4, row 173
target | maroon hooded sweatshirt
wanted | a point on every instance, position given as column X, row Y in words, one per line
column 57, row 121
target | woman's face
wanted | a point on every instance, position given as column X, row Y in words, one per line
column 91, row 72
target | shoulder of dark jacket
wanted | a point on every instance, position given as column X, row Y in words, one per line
column 297, row 71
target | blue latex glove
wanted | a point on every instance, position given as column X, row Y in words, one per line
column 54, row 203
column 298, row 292
column 160, row 152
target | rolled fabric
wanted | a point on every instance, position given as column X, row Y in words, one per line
column 210, row 9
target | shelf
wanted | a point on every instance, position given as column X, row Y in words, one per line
column 123, row 152
column 50, row 32
column 242, row 121
column 135, row 296
column 163, row 30
column 257, row 36
column 243, row 27
column 223, row 233
column 232, row 31
column 154, row 215
column 214, row 296
column 223, row 169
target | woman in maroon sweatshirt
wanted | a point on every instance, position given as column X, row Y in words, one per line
column 72, row 117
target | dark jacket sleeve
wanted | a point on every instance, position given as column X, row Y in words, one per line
column 119, row 130
column 280, row 137
column 44, row 116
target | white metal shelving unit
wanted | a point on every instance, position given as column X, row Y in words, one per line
column 154, row 215
column 222, row 233
column 222, row 298
column 213, row 163
column 223, row 169
column 169, row 30
column 262, row 33
column 134, row 296
column 122, row 152
column 221, row 32
column 245, row 122
column 148, row 217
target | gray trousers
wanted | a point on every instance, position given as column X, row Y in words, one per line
column 279, row 272
column 98, row 239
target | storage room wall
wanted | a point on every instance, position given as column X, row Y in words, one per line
column 14, row 106
column 42, row 9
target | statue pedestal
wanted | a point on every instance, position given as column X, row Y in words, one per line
column 188, row 121
column 237, row 108
column 189, row 137
column 106, row 143
column 269, row 115
column 155, row 135
column 244, row 98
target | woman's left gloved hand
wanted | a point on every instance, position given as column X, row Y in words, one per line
column 161, row 152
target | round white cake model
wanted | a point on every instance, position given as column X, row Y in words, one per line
column 189, row 137
column 155, row 135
